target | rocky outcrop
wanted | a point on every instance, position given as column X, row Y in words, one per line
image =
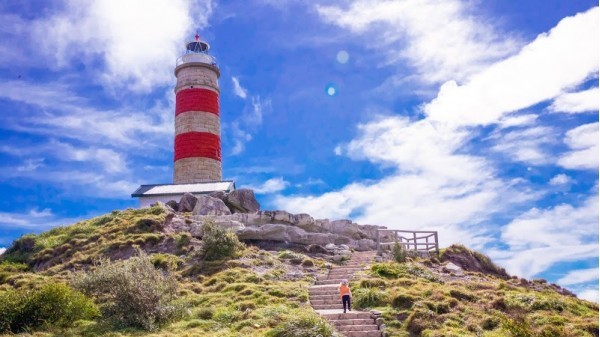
column 217, row 203
column 242, row 201
column 207, row 205
column 275, row 226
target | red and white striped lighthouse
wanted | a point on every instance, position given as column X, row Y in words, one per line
column 197, row 123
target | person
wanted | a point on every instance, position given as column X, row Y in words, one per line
column 345, row 294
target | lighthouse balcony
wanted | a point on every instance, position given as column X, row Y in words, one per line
column 196, row 58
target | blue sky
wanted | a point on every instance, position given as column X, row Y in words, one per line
column 478, row 119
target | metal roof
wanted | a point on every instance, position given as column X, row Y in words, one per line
column 169, row 189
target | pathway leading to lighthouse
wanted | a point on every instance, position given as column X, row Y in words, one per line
column 325, row 299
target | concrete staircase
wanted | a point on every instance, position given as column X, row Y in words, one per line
column 325, row 299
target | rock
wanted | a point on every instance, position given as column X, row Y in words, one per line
column 218, row 194
column 282, row 216
column 344, row 247
column 306, row 222
column 366, row 244
column 344, row 252
column 242, row 201
column 451, row 266
column 330, row 247
column 187, row 203
column 337, row 258
column 207, row 205
column 173, row 204
column 316, row 249
column 346, row 228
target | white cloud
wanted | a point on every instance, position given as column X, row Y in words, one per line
column 430, row 174
column 583, row 141
column 576, row 102
column 137, row 41
column 538, row 238
column 560, row 179
column 525, row 145
column 589, row 294
column 579, row 276
column 539, row 72
column 31, row 219
column 2, row 250
column 110, row 160
column 238, row 90
column 252, row 118
column 517, row 120
column 442, row 39
column 272, row 185
column 67, row 115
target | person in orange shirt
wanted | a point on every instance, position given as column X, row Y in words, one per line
column 345, row 294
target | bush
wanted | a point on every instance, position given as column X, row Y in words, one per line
column 399, row 252
column 390, row 270
column 133, row 292
column 368, row 298
column 402, row 301
column 302, row 323
column 219, row 243
column 55, row 304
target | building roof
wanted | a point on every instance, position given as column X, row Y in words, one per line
column 197, row 188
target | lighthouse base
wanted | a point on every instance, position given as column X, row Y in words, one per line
column 150, row 194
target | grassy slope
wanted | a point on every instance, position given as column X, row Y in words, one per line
column 243, row 296
column 421, row 298
column 251, row 293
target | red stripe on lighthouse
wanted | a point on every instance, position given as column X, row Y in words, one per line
column 197, row 100
column 197, row 144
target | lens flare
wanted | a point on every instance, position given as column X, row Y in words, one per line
column 343, row 56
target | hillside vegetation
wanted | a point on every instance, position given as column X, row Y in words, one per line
column 236, row 290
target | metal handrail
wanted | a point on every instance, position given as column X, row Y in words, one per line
column 196, row 57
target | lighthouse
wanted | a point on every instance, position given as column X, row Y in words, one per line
column 197, row 166
column 197, row 122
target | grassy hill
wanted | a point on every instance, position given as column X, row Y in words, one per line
column 253, row 292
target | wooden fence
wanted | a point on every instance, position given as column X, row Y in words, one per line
column 417, row 241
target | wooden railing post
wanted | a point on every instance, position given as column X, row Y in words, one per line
column 437, row 245
column 379, row 252
column 415, row 240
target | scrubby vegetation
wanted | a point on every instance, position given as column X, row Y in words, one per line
column 54, row 304
column 133, row 292
column 421, row 298
column 123, row 274
column 219, row 243
column 169, row 283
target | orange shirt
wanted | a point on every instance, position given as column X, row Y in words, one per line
column 344, row 290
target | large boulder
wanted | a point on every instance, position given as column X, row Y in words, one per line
column 187, row 203
column 242, row 201
column 207, row 205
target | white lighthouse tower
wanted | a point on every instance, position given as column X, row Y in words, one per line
column 197, row 145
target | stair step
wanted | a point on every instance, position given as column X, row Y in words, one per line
column 366, row 327
column 375, row 333
column 345, row 322
column 348, row 315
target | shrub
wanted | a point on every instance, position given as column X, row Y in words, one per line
column 403, row 301
column 219, row 243
column 368, row 298
column 390, row 270
column 54, row 304
column 371, row 283
column 459, row 295
column 399, row 252
column 302, row 323
column 166, row 261
column 133, row 292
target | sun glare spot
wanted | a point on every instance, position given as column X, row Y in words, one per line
column 342, row 56
column 331, row 90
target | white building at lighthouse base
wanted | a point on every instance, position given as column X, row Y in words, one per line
column 150, row 194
